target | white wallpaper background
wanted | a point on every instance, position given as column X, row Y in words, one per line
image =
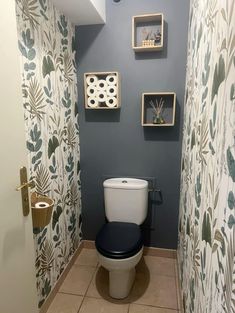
column 207, row 206
column 49, row 85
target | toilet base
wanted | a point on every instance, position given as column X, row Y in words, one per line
column 120, row 283
column 121, row 273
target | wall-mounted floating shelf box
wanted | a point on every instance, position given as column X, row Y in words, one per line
column 168, row 108
column 102, row 90
column 147, row 32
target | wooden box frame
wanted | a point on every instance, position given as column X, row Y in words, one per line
column 102, row 105
column 170, row 106
column 146, row 19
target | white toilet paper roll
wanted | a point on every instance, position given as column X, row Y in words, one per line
column 111, row 79
column 91, row 90
column 41, row 205
column 92, row 102
column 111, row 102
column 101, row 84
column 111, row 91
column 91, row 80
column 101, row 96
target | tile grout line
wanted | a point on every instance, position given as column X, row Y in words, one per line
column 157, row 307
column 135, row 303
column 81, row 304
column 87, row 290
column 85, row 265
column 95, row 267
column 70, row 293
column 174, row 310
column 90, row 281
column 98, row 298
column 81, row 295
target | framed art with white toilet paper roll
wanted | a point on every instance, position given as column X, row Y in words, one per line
column 102, row 90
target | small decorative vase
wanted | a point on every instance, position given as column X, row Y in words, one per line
column 157, row 119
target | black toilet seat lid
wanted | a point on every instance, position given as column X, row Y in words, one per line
column 119, row 240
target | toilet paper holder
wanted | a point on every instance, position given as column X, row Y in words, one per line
column 159, row 194
column 41, row 215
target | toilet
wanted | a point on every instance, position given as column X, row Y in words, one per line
column 119, row 243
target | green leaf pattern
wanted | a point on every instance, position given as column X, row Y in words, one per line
column 49, row 86
column 206, row 250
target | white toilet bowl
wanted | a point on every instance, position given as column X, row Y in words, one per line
column 120, row 247
column 119, row 242
column 121, row 274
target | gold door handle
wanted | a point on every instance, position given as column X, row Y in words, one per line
column 29, row 184
column 24, row 190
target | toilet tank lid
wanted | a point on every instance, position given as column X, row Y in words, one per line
column 125, row 183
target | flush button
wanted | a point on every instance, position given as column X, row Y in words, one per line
column 124, row 181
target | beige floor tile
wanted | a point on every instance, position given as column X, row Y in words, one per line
column 138, row 308
column 99, row 286
column 78, row 280
column 160, row 291
column 158, row 265
column 87, row 257
column 149, row 288
column 92, row 305
column 64, row 303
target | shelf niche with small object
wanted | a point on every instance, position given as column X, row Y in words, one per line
column 102, row 90
column 158, row 109
column 147, row 32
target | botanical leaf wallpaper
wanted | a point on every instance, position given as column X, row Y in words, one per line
column 49, row 89
column 207, row 207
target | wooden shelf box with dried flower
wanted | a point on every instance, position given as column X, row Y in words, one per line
column 102, row 90
column 158, row 109
column 147, row 32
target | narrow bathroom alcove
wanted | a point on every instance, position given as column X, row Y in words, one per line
column 117, row 162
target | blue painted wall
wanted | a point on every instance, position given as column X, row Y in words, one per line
column 114, row 143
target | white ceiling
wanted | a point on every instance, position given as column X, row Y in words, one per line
column 83, row 12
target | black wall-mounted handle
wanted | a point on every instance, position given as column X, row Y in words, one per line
column 159, row 199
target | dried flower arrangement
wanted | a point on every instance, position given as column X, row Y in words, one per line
column 150, row 38
column 158, row 111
